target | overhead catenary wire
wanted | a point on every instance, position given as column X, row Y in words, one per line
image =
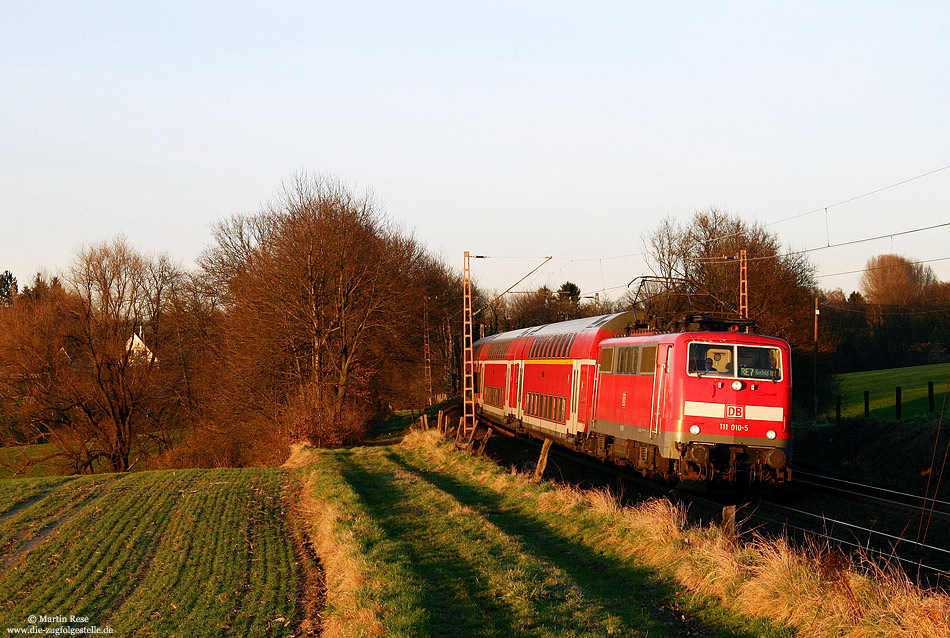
column 875, row 309
column 857, row 197
column 900, row 265
column 536, row 268
column 844, row 201
column 828, row 244
column 727, row 258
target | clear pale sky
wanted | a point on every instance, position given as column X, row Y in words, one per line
column 515, row 129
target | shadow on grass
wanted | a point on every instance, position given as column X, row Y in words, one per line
column 442, row 585
column 641, row 600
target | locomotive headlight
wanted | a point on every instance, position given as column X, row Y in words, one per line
column 737, row 385
column 694, row 429
column 771, row 434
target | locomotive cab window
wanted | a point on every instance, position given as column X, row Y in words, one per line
column 735, row 361
column 759, row 363
column 712, row 359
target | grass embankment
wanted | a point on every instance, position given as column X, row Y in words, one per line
column 175, row 553
column 881, row 386
column 420, row 539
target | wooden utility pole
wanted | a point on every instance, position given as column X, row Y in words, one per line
column 815, row 360
column 468, row 365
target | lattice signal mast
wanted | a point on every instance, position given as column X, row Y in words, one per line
column 468, row 365
column 744, row 286
column 428, row 353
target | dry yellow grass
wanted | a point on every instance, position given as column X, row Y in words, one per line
column 818, row 592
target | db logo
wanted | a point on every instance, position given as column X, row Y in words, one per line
column 735, row 412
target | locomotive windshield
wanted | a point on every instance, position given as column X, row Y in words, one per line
column 735, row 361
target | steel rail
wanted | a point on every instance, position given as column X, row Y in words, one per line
column 925, row 499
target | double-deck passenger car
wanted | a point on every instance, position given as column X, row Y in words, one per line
column 709, row 405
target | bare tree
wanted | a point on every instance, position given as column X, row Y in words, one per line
column 893, row 280
column 705, row 253
column 76, row 360
column 316, row 287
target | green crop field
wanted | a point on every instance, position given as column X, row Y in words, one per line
column 881, row 385
column 173, row 553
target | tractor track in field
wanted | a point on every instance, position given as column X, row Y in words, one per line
column 312, row 584
column 22, row 543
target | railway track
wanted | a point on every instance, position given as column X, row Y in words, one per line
column 903, row 528
column 937, row 509
column 878, row 526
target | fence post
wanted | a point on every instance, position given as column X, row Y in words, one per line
column 542, row 460
column 930, row 396
column 898, row 398
column 867, row 405
column 729, row 521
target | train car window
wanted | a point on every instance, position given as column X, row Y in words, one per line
column 606, row 360
column 627, row 360
column 648, row 360
column 759, row 363
column 498, row 349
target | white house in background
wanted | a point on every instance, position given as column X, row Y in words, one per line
column 138, row 351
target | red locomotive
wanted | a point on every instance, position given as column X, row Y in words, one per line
column 708, row 403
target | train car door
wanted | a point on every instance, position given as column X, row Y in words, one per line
column 660, row 388
column 584, row 396
column 520, row 413
column 513, row 389
column 507, row 389
column 572, row 424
